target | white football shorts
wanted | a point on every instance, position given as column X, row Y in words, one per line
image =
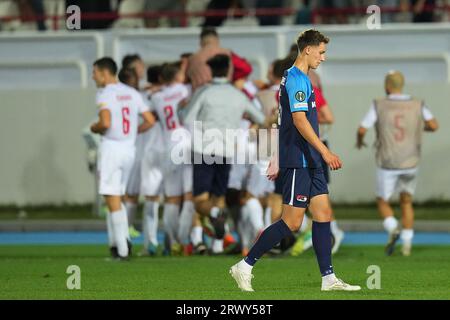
column 158, row 177
column 395, row 181
column 114, row 165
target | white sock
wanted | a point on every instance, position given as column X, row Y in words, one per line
column 244, row 266
column 267, row 217
column 334, row 227
column 145, row 230
column 110, row 230
column 390, row 224
column 120, row 224
column 185, row 225
column 214, row 212
column 151, row 220
column 244, row 233
column 329, row 279
column 255, row 214
column 217, row 246
column 407, row 235
column 304, row 225
column 170, row 220
column 197, row 235
column 125, row 227
column 131, row 208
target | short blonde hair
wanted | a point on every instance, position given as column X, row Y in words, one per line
column 394, row 80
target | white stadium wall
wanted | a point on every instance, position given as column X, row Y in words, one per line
column 47, row 98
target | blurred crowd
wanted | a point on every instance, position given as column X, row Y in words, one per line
column 36, row 14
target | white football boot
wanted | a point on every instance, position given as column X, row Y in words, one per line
column 339, row 285
column 243, row 279
column 406, row 248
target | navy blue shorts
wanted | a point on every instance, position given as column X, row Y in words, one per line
column 212, row 178
column 301, row 184
column 279, row 184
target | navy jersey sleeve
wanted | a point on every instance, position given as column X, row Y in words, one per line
column 299, row 91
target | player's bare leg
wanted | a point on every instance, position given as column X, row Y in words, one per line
column 321, row 211
column 390, row 224
column 119, row 224
column 219, row 223
column 276, row 204
column 212, row 207
column 407, row 233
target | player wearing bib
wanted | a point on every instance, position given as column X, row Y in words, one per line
column 399, row 120
column 173, row 179
column 119, row 109
column 299, row 162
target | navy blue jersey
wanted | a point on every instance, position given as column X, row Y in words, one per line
column 296, row 95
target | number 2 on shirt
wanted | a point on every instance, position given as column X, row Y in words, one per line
column 168, row 112
column 126, row 120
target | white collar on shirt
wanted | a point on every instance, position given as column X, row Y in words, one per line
column 399, row 96
column 220, row 80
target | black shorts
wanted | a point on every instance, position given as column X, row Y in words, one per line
column 212, row 178
column 301, row 184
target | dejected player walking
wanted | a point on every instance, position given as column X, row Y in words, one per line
column 299, row 166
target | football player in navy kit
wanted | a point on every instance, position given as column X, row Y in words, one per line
column 299, row 166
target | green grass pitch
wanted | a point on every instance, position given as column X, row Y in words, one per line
column 39, row 272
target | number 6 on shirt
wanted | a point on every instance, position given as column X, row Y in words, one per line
column 126, row 120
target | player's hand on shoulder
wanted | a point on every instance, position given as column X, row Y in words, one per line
column 332, row 160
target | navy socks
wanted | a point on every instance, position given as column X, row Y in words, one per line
column 272, row 235
column 321, row 237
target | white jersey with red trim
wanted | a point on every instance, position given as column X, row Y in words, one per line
column 165, row 103
column 125, row 104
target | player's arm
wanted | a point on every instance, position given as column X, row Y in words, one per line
column 360, row 137
column 325, row 116
column 147, row 116
column 274, row 167
column 149, row 121
column 306, row 130
column 431, row 123
column 254, row 113
column 189, row 113
column 368, row 121
column 299, row 91
column 103, row 123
